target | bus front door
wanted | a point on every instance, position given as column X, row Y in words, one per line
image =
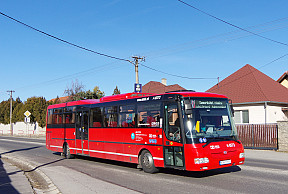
column 82, row 132
column 173, row 143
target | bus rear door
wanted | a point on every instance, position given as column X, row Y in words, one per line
column 82, row 130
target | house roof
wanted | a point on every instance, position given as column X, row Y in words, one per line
column 61, row 99
column 250, row 85
column 159, row 88
column 284, row 76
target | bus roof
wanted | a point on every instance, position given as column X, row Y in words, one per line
column 127, row 96
column 199, row 94
column 75, row 103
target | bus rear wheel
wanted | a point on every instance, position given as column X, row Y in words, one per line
column 66, row 151
column 147, row 162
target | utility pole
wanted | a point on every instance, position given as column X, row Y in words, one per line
column 136, row 58
column 11, row 128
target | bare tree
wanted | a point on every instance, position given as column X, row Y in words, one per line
column 74, row 89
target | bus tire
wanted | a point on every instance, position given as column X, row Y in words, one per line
column 67, row 153
column 147, row 162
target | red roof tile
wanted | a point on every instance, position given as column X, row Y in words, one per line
column 250, row 85
column 159, row 88
column 61, row 99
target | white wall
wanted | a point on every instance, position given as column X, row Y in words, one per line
column 275, row 114
column 22, row 129
column 257, row 114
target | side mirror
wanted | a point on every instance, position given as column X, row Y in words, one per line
column 188, row 107
column 231, row 107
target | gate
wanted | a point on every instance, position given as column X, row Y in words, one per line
column 258, row 136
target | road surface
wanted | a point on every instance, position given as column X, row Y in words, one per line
column 263, row 172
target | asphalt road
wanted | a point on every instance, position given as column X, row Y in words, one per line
column 263, row 171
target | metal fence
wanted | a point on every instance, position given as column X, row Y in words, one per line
column 258, row 136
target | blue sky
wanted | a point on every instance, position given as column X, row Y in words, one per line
column 173, row 37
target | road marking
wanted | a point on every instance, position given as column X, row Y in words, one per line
column 29, row 142
column 113, row 153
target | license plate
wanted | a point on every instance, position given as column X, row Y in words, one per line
column 224, row 162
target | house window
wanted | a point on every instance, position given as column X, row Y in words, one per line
column 241, row 116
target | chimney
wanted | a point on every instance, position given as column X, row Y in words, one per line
column 164, row 81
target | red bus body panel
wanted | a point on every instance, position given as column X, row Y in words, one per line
column 215, row 152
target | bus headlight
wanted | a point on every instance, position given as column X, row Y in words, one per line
column 242, row 155
column 201, row 160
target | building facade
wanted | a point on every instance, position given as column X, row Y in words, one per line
column 256, row 98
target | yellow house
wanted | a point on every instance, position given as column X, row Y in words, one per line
column 284, row 79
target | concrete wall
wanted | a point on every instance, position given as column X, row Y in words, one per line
column 22, row 129
column 283, row 135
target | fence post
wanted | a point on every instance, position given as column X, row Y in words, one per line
column 253, row 144
column 277, row 137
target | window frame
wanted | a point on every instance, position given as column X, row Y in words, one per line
column 241, row 116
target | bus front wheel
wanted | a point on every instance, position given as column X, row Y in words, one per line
column 67, row 153
column 147, row 162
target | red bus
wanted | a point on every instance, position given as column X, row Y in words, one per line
column 190, row 131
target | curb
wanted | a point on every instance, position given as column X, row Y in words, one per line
column 52, row 189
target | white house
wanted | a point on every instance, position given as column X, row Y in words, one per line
column 256, row 98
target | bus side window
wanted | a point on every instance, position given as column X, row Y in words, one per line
column 110, row 116
column 149, row 115
column 96, row 117
column 69, row 115
column 50, row 114
column 57, row 117
column 127, row 116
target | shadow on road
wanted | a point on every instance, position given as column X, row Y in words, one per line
column 201, row 174
column 20, row 150
column 5, row 181
column 46, row 164
column 25, row 149
column 191, row 174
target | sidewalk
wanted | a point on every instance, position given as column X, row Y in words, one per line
column 12, row 179
column 266, row 155
column 58, row 179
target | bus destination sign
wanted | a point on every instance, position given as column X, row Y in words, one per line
column 208, row 104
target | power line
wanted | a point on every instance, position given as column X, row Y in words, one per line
column 221, row 85
column 174, row 75
column 224, row 37
column 109, row 56
column 70, row 76
column 61, row 40
column 219, row 19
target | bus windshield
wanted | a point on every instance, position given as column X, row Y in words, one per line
column 210, row 118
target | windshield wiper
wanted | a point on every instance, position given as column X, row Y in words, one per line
column 231, row 139
column 209, row 141
column 220, row 138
